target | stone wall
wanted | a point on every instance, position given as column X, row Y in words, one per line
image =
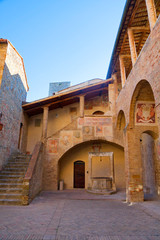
column 142, row 84
column 32, row 182
column 12, row 92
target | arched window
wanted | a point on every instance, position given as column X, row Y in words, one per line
column 98, row 113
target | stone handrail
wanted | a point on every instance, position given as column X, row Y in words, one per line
column 32, row 181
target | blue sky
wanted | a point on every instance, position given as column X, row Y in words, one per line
column 61, row 40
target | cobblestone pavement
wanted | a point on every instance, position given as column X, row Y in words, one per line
column 77, row 215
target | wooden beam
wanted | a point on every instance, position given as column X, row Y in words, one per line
column 132, row 46
column 151, row 9
column 130, row 22
column 140, row 28
column 125, row 56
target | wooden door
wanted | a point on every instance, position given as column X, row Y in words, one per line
column 79, row 174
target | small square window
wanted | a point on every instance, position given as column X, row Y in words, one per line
column 37, row 122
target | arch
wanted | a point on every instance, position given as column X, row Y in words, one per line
column 142, row 92
column 98, row 113
column 153, row 134
column 80, row 152
column 109, row 140
column 121, row 120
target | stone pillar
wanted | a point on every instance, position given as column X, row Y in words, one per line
column 81, row 98
column 112, row 97
column 132, row 46
column 151, row 9
column 45, row 123
column 123, row 70
column 114, row 77
column 133, row 166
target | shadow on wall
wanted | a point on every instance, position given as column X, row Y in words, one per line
column 12, row 93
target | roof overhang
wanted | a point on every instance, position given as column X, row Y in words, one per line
column 63, row 99
column 135, row 16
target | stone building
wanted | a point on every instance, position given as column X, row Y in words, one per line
column 57, row 86
column 102, row 133
column 13, row 92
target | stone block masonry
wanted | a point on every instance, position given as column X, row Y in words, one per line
column 57, row 86
column 13, row 89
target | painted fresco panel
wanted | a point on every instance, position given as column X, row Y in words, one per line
column 52, row 146
column 66, row 139
column 77, row 137
column 87, row 130
column 98, row 130
column 145, row 113
column 93, row 121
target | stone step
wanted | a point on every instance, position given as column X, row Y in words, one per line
column 10, row 196
column 10, row 202
column 23, row 155
column 11, row 176
column 15, row 169
column 6, row 173
column 11, row 185
column 17, row 165
column 11, row 190
column 11, row 180
column 18, row 162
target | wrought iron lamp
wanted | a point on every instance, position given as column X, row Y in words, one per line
column 1, row 124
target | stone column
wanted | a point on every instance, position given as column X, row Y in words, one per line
column 114, row 77
column 81, row 98
column 151, row 9
column 45, row 123
column 132, row 46
column 112, row 97
column 123, row 71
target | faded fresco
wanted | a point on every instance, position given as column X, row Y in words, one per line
column 66, row 138
column 97, row 101
column 95, row 121
column 52, row 146
column 102, row 125
column 145, row 113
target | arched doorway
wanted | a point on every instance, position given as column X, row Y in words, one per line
column 142, row 134
column 79, row 174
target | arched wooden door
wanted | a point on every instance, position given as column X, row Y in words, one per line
column 79, row 174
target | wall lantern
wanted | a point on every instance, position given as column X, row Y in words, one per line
column 1, row 124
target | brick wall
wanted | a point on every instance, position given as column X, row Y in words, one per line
column 143, row 83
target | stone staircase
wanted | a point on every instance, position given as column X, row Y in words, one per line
column 11, row 179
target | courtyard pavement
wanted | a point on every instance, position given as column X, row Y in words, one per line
column 78, row 215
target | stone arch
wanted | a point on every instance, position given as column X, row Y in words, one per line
column 142, row 92
column 81, row 152
column 121, row 120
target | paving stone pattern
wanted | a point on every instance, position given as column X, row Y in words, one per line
column 79, row 216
